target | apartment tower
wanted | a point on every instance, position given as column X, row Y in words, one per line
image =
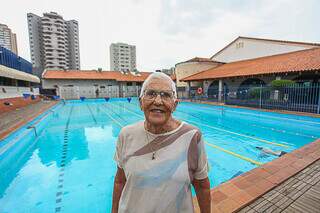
column 8, row 39
column 122, row 57
column 54, row 42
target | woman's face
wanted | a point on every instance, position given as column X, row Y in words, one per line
column 158, row 110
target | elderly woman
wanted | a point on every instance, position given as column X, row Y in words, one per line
column 159, row 158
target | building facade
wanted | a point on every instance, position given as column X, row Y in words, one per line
column 18, row 87
column 122, row 57
column 8, row 39
column 190, row 67
column 243, row 48
column 240, row 79
column 54, row 42
column 73, row 84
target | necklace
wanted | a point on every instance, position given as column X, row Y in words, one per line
column 148, row 141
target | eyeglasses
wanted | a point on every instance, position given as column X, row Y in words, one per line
column 166, row 95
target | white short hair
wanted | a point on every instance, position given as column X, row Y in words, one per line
column 158, row 75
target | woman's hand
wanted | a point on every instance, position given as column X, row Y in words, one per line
column 202, row 188
column 119, row 182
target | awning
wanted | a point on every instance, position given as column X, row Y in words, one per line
column 16, row 74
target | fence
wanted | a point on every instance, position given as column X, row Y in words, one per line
column 296, row 97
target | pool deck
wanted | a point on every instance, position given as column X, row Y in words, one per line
column 10, row 121
column 290, row 183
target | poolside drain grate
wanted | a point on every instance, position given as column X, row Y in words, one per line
column 64, row 152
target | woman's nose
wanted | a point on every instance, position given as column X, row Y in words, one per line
column 158, row 99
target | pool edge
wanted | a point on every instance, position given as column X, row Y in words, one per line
column 239, row 192
column 12, row 129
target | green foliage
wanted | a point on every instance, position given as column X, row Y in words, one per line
column 281, row 83
column 254, row 93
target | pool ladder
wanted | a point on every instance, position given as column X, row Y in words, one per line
column 34, row 125
column 34, row 128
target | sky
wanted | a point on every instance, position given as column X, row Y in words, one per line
column 166, row 32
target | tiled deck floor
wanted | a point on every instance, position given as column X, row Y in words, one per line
column 300, row 193
column 251, row 189
column 12, row 120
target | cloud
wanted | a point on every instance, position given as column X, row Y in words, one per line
column 168, row 31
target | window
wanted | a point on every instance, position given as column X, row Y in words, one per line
column 239, row 45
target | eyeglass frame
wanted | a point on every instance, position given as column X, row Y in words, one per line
column 173, row 97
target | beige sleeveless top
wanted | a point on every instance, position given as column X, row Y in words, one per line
column 162, row 184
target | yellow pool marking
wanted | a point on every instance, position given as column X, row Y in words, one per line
column 234, row 154
column 258, row 139
column 220, row 148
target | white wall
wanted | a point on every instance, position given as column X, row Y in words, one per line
column 248, row 48
column 183, row 70
column 50, row 84
column 14, row 92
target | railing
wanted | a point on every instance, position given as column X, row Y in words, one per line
column 9, row 59
column 14, row 92
column 296, row 97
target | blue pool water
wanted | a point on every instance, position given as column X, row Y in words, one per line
column 68, row 166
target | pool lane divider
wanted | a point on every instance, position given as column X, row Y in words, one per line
column 64, row 153
column 217, row 147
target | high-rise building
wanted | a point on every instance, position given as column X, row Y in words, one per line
column 8, row 39
column 122, row 57
column 54, row 42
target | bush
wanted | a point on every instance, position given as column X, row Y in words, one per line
column 281, row 83
column 254, row 93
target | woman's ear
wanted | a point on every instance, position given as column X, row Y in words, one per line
column 175, row 105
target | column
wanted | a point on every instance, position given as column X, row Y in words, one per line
column 220, row 90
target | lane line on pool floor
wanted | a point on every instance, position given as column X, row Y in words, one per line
column 235, row 133
column 263, row 127
column 117, row 122
column 94, row 119
column 219, row 148
column 64, row 152
column 239, row 134
column 259, row 114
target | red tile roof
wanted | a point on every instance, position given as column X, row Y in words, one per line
column 270, row 40
column 94, row 75
column 303, row 60
column 199, row 59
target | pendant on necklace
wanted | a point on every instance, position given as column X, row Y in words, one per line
column 153, row 156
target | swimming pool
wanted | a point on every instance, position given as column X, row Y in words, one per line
column 69, row 167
